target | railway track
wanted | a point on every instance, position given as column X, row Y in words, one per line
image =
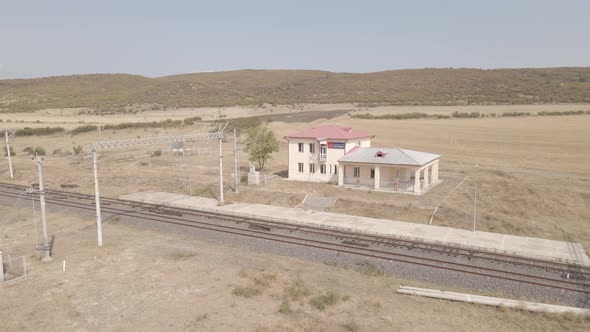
column 563, row 276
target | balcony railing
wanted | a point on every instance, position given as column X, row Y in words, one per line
column 383, row 186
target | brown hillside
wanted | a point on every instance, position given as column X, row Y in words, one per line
column 416, row 86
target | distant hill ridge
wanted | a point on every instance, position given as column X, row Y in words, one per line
column 250, row 87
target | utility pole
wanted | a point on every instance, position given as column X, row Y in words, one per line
column 8, row 154
column 220, row 165
column 97, row 198
column 236, row 167
column 475, row 199
column 46, row 250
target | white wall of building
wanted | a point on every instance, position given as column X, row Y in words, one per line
column 330, row 162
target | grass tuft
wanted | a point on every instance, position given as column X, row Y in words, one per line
column 246, row 291
column 323, row 301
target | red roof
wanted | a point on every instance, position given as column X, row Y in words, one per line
column 330, row 132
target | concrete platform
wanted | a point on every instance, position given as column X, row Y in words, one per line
column 565, row 252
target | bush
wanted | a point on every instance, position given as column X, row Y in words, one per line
column 168, row 123
column 513, row 114
column 157, row 153
column 323, row 301
column 77, row 149
column 247, row 291
column 563, row 113
column 242, row 124
column 190, row 121
column 83, row 129
column 367, row 268
column 466, row 114
column 12, row 153
column 285, row 306
column 27, row 131
column 297, row 290
column 39, row 151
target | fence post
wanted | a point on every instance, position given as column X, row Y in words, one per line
column 1, row 268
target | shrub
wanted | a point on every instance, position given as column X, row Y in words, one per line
column 247, row 292
column 513, row 114
column 168, row 123
column 466, row 114
column 27, row 131
column 12, row 153
column 83, row 129
column 264, row 280
column 157, row 153
column 191, row 120
column 297, row 290
column 323, row 301
column 368, row 268
column 242, row 124
column 285, row 306
column 399, row 116
column 39, row 151
column 77, row 149
column 563, row 113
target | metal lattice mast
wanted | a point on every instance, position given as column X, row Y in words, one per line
column 118, row 144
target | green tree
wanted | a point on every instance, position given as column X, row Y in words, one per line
column 260, row 144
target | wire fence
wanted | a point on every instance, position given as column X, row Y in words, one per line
column 12, row 268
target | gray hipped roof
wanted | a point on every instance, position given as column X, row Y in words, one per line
column 390, row 156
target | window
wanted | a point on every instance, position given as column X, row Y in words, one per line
column 335, row 169
column 311, row 147
column 330, row 169
column 323, row 152
column 372, row 173
column 300, row 167
column 312, row 168
column 357, row 172
column 323, row 168
column 300, row 147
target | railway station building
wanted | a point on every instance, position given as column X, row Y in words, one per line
column 344, row 156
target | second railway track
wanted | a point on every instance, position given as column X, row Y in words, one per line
column 571, row 278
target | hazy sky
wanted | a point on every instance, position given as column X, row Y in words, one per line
column 156, row 38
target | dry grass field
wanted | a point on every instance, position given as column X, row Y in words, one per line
column 533, row 176
column 533, row 180
column 145, row 280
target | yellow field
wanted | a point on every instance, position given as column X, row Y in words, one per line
column 534, row 178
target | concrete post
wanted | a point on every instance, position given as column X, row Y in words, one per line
column 435, row 171
column 427, row 177
column 221, row 201
column 8, row 155
column 1, row 268
column 47, row 252
column 340, row 175
column 377, row 177
column 417, row 188
column 97, row 199
column 236, row 167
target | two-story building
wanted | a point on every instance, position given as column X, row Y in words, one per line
column 342, row 155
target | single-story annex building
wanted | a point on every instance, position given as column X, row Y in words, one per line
column 337, row 154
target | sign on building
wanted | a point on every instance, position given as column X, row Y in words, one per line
column 336, row 145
